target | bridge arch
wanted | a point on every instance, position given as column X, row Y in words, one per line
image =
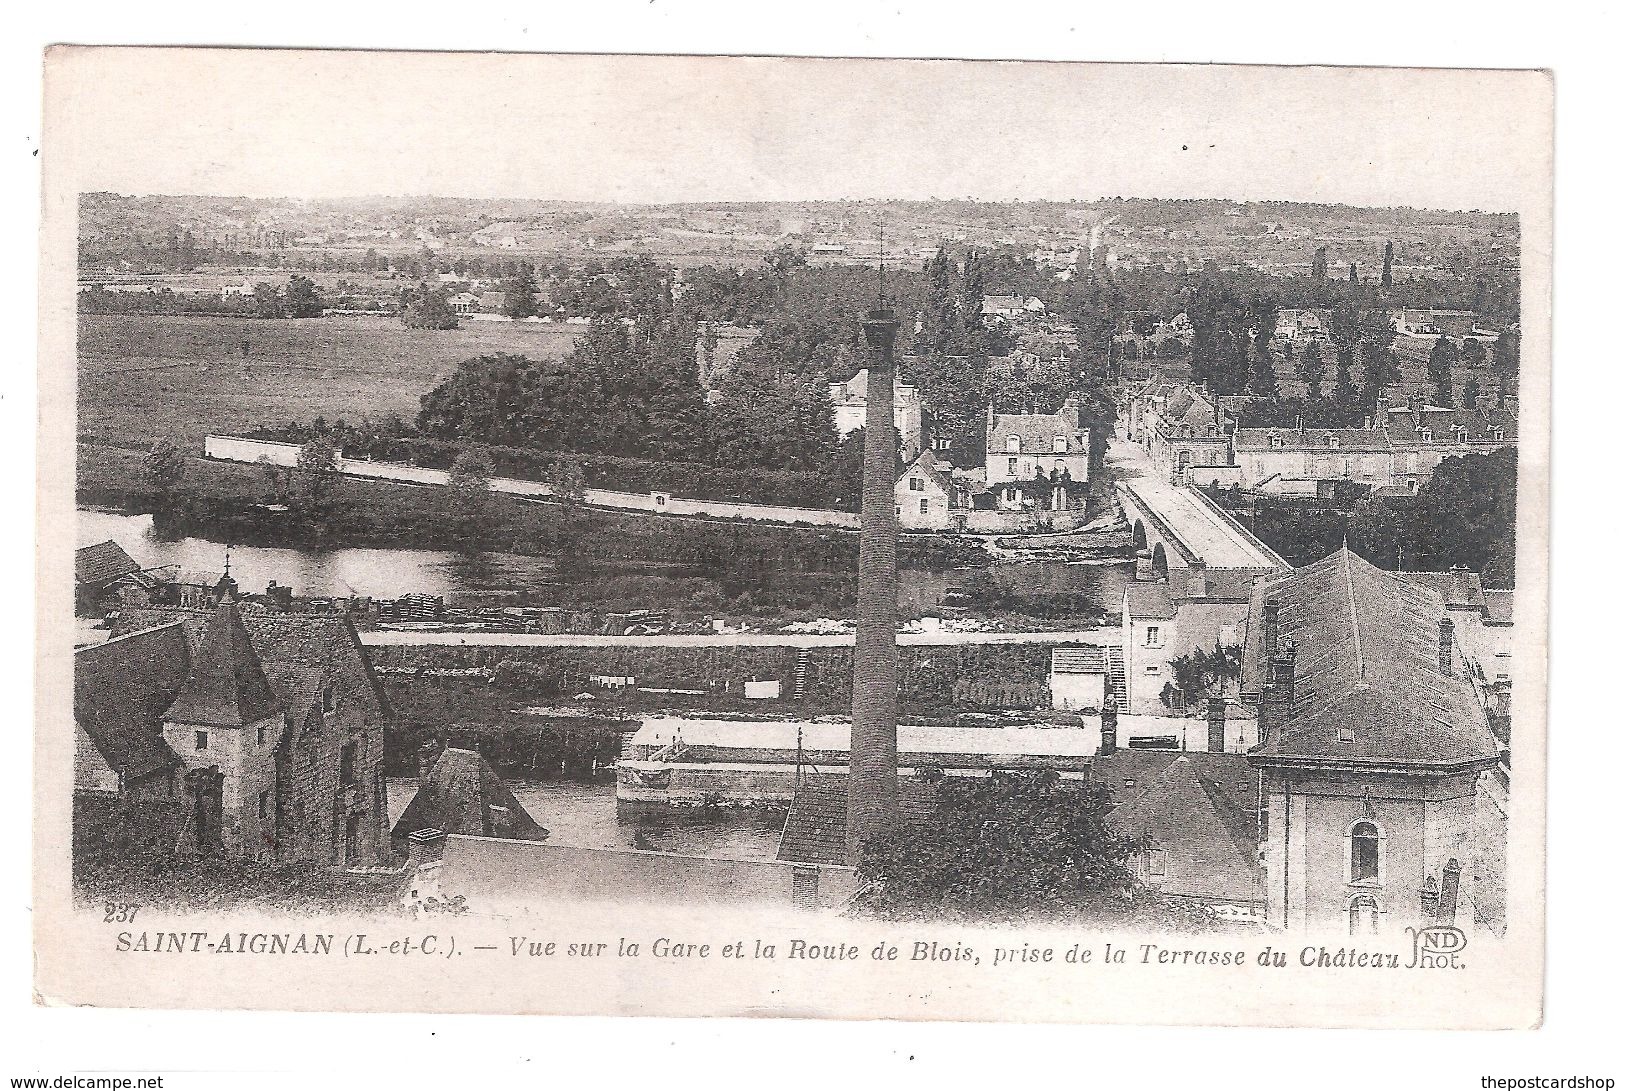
column 1139, row 535
column 1159, row 562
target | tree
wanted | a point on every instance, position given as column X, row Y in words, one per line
column 1470, row 393
column 1311, row 369
column 1014, row 847
column 567, row 484
column 1354, row 274
column 470, row 484
column 519, row 293
column 267, row 301
column 1202, row 674
column 165, row 467
column 426, row 308
column 1343, row 392
column 301, row 298
column 1261, row 380
column 1318, row 269
column 1388, row 264
column 1441, row 361
column 315, row 470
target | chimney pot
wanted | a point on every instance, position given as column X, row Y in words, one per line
column 1272, row 623
column 1108, row 726
column 1215, row 725
column 426, row 846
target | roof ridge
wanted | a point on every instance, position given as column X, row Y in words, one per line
column 1354, row 613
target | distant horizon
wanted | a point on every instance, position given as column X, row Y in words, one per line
column 703, row 202
column 679, row 130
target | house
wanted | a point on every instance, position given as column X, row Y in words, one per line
column 1303, row 324
column 1038, row 460
column 1198, row 816
column 98, row 572
column 1165, row 619
column 465, row 302
column 1183, row 431
column 1078, row 676
column 267, row 728
column 1008, row 308
column 1384, row 785
column 929, row 499
column 850, row 403
column 460, row 793
column 1401, row 448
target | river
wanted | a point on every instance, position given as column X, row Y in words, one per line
column 389, row 573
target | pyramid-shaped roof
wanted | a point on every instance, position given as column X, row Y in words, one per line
column 463, row 794
column 227, row 686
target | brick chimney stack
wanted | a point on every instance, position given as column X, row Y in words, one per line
column 871, row 801
column 1108, row 726
column 1447, row 646
column 1275, row 702
column 1215, row 725
column 1272, row 628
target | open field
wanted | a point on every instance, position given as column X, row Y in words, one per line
column 142, row 378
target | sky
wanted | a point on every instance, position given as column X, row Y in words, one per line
column 331, row 124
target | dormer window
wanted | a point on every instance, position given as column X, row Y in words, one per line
column 1060, row 445
column 1499, row 435
column 1461, row 435
column 1012, row 445
column 1427, row 435
column 1275, row 440
column 1331, row 440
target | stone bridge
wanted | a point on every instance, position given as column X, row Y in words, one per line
column 1175, row 526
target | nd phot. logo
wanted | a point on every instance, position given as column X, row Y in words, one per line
column 1436, row 947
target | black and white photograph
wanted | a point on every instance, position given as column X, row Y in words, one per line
column 673, row 535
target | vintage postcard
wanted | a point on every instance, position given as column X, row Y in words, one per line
column 702, row 536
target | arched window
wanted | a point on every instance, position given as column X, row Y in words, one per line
column 1365, row 853
column 1363, row 911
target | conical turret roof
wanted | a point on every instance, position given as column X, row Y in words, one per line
column 227, row 686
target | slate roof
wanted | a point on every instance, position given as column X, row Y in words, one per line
column 1480, row 424
column 1145, row 599
column 1078, row 659
column 925, row 466
column 815, row 829
column 1202, row 810
column 124, row 687
column 227, row 686
column 1037, row 432
column 1367, row 663
column 100, row 564
column 120, row 691
column 458, row 797
column 1458, row 587
column 1498, row 606
column 1317, row 439
column 325, row 643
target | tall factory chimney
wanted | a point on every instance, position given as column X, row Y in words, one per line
column 871, row 783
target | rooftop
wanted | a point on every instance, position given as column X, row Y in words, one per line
column 1367, row 689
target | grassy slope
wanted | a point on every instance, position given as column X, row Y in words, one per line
column 146, row 377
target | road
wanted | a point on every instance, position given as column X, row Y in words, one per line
column 1206, row 532
column 407, row 638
